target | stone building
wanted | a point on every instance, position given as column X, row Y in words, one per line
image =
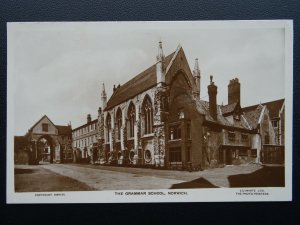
column 84, row 141
column 276, row 113
column 268, row 119
column 158, row 119
column 44, row 142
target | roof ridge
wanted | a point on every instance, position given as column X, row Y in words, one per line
column 139, row 74
column 139, row 83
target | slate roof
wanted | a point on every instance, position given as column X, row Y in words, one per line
column 227, row 109
column 64, row 130
column 203, row 108
column 140, row 83
column 86, row 124
column 273, row 107
column 252, row 115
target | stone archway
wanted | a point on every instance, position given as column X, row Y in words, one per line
column 45, row 149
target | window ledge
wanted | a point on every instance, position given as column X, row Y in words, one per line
column 148, row 135
column 173, row 140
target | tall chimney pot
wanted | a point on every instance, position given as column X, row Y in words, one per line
column 212, row 93
column 89, row 118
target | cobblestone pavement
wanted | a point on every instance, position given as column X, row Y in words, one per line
column 125, row 178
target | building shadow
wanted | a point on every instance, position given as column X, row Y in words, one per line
column 198, row 183
column 23, row 171
column 265, row 177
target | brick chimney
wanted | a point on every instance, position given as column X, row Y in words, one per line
column 212, row 93
column 89, row 118
column 234, row 91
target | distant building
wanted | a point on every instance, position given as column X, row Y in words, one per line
column 44, row 142
column 85, row 141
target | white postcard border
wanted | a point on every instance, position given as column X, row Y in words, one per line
column 192, row 195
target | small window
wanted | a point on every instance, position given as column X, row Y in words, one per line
column 175, row 154
column 231, row 136
column 131, row 155
column 147, row 156
column 175, row 132
column 245, row 137
column 45, row 127
column 275, row 124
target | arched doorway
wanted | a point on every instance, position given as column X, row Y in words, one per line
column 45, row 149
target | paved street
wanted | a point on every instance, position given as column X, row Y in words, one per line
column 38, row 179
column 95, row 177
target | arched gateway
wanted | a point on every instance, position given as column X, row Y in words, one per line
column 47, row 143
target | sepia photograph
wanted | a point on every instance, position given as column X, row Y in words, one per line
column 193, row 111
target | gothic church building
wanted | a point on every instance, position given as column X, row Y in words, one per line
column 158, row 119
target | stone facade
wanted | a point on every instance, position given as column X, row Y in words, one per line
column 181, row 130
column 45, row 142
column 158, row 119
column 85, row 141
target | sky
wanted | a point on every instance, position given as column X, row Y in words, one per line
column 57, row 69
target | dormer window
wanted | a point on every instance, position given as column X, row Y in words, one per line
column 237, row 116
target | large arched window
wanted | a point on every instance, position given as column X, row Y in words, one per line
column 147, row 115
column 108, row 126
column 119, row 123
column 131, row 119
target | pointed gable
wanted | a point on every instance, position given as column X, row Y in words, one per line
column 274, row 107
column 44, row 126
column 179, row 63
column 253, row 115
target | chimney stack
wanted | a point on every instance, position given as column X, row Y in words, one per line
column 234, row 91
column 212, row 93
column 89, row 118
